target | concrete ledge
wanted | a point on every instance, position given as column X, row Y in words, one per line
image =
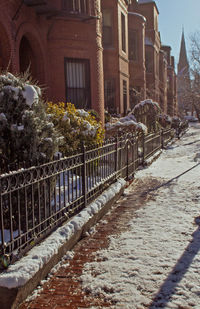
column 11, row 298
column 150, row 160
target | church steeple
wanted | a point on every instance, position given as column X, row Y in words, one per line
column 183, row 64
column 183, row 78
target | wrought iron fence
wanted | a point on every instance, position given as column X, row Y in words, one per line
column 36, row 200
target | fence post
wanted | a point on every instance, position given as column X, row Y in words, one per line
column 143, row 149
column 162, row 138
column 84, row 175
column 2, row 226
column 116, row 156
column 127, row 159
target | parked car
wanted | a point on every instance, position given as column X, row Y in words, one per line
column 191, row 118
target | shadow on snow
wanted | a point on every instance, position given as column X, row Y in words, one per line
column 169, row 287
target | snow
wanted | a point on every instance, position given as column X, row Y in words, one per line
column 138, row 15
column 127, row 121
column 14, row 90
column 24, row 269
column 20, row 128
column 147, row 102
column 82, row 113
column 30, row 94
column 155, row 263
column 3, row 117
column 48, row 140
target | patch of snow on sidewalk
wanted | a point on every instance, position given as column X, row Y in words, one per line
column 155, row 264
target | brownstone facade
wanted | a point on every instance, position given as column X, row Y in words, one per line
column 160, row 76
column 163, row 81
column 137, row 69
column 171, row 83
column 93, row 53
column 61, row 41
column 116, row 65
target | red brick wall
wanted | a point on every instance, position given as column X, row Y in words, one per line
column 50, row 40
column 137, row 67
column 116, row 64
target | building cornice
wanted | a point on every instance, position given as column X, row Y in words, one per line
column 138, row 15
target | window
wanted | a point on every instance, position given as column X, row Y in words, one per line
column 133, row 45
column 78, row 6
column 109, row 95
column 107, row 28
column 77, row 75
column 125, row 96
column 149, row 62
column 123, row 32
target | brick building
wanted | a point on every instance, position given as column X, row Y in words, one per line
column 137, row 69
column 159, row 65
column 171, row 83
column 115, row 55
column 89, row 52
column 62, row 43
column 163, row 80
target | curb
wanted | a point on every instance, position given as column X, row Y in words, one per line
column 11, row 298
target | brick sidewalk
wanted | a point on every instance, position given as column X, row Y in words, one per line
column 64, row 289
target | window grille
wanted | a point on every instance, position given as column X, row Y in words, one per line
column 77, row 74
column 76, row 6
column 109, row 94
column 125, row 96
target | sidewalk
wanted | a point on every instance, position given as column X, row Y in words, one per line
column 63, row 289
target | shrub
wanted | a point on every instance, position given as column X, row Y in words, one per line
column 94, row 114
column 27, row 135
column 107, row 117
column 148, row 112
column 76, row 126
column 126, row 124
column 176, row 121
column 164, row 120
column 26, row 132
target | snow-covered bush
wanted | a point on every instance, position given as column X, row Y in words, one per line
column 123, row 125
column 76, row 126
column 26, row 132
column 165, row 120
column 176, row 121
column 148, row 112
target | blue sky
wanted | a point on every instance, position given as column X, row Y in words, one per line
column 175, row 14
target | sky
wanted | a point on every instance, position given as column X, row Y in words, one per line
column 174, row 15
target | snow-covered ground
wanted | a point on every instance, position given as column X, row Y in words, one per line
column 156, row 262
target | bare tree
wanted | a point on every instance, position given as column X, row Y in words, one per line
column 194, row 92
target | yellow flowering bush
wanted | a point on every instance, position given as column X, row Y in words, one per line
column 75, row 125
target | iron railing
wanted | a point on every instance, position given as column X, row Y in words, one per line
column 36, row 200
